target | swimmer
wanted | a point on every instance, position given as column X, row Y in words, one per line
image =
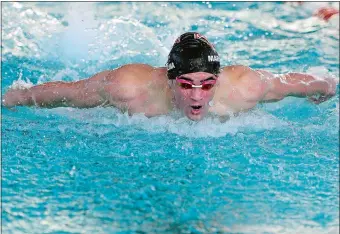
column 323, row 10
column 192, row 82
column 326, row 13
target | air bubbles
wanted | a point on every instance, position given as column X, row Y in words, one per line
column 17, row 5
column 208, row 4
column 28, row 12
column 72, row 171
column 18, row 43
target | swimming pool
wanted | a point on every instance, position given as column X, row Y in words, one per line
column 272, row 170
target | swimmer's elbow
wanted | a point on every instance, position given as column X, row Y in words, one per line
column 272, row 97
column 275, row 90
column 254, row 88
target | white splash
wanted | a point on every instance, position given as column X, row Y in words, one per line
column 21, row 84
column 253, row 121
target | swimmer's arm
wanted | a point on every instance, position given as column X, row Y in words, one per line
column 298, row 85
column 263, row 86
column 81, row 94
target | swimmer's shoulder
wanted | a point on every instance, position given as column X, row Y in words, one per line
column 137, row 72
column 132, row 79
column 130, row 70
column 234, row 73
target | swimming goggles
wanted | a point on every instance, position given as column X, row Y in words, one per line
column 206, row 85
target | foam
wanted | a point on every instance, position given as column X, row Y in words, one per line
column 63, row 222
column 21, row 84
column 320, row 71
column 253, row 121
column 66, row 74
column 308, row 228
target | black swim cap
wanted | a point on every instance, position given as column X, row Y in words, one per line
column 192, row 52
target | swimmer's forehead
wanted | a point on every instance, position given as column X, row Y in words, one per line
column 198, row 76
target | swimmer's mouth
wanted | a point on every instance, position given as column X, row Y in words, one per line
column 196, row 107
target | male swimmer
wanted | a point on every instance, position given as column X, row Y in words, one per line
column 323, row 10
column 193, row 82
column 327, row 13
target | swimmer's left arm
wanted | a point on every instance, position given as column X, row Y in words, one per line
column 277, row 87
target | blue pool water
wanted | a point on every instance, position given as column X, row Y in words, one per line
column 274, row 169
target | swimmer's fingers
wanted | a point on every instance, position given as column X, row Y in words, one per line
column 4, row 105
column 313, row 100
column 319, row 99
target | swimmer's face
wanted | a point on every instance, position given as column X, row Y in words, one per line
column 193, row 92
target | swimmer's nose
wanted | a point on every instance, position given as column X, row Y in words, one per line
column 196, row 94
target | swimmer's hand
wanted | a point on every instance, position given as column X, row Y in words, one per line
column 319, row 98
column 16, row 97
column 79, row 94
column 322, row 97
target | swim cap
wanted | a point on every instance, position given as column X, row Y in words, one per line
column 192, row 52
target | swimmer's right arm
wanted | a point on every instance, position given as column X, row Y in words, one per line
column 82, row 94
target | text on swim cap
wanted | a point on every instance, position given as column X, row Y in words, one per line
column 171, row 66
column 213, row 58
column 198, row 36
